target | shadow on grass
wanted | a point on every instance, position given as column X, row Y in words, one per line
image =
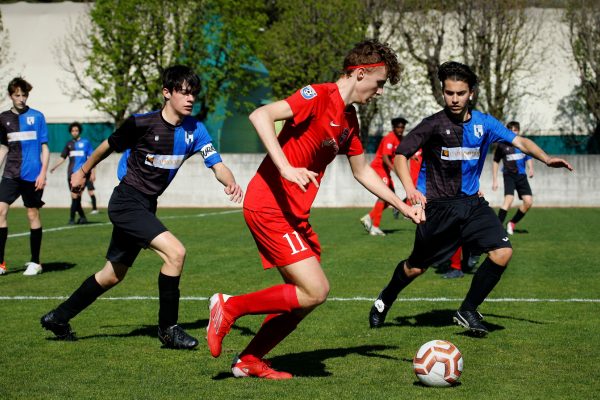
column 312, row 363
column 47, row 267
column 152, row 330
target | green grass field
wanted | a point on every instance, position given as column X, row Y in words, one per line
column 543, row 344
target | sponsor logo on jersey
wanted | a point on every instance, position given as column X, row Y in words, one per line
column 207, row 151
column 21, row 136
column 76, row 153
column 189, row 137
column 164, row 161
column 308, row 92
column 331, row 123
column 515, row 157
column 30, row 120
column 460, row 153
column 344, row 135
column 330, row 142
column 478, row 130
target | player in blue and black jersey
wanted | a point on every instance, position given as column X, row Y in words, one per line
column 78, row 150
column 516, row 163
column 24, row 145
column 159, row 143
column 454, row 144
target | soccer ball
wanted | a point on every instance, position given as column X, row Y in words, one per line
column 438, row 363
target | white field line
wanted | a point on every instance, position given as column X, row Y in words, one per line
column 96, row 225
column 365, row 299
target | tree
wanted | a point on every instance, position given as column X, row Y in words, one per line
column 307, row 44
column 583, row 21
column 117, row 59
column 497, row 38
column 4, row 44
column 494, row 38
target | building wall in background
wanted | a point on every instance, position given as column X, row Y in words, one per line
column 195, row 185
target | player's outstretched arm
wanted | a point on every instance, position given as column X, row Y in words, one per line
column 225, row 176
column 495, row 167
column 263, row 119
column 527, row 146
column 403, row 172
column 57, row 164
column 367, row 177
column 3, row 153
column 79, row 177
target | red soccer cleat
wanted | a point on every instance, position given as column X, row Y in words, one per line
column 258, row 369
column 219, row 323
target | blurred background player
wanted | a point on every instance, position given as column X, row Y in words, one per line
column 160, row 142
column 320, row 123
column 514, row 171
column 24, row 145
column 383, row 164
column 78, row 150
column 454, row 142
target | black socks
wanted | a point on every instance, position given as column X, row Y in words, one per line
column 168, row 293
column 487, row 276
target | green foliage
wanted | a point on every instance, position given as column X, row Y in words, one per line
column 307, row 44
column 583, row 20
column 130, row 43
column 536, row 350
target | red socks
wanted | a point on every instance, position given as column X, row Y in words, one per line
column 274, row 300
column 377, row 212
column 274, row 329
column 455, row 259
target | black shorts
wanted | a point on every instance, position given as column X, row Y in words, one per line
column 464, row 221
column 516, row 182
column 135, row 225
column 11, row 189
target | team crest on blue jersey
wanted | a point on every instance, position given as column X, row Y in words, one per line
column 308, row 92
column 478, row 130
column 30, row 120
column 189, row 137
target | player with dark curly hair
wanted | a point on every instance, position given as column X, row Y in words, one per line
column 454, row 143
column 320, row 123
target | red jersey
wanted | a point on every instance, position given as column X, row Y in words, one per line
column 387, row 147
column 321, row 128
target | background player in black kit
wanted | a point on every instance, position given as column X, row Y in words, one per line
column 454, row 142
column 514, row 173
column 160, row 142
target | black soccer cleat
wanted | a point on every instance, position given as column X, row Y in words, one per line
column 378, row 312
column 62, row 330
column 470, row 320
column 174, row 337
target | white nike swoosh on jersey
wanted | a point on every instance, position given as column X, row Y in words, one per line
column 331, row 123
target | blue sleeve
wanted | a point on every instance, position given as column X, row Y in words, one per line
column 498, row 132
column 203, row 145
column 42, row 130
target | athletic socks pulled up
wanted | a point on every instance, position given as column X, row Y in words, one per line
column 485, row 279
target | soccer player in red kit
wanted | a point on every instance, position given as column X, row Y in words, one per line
column 383, row 164
column 320, row 123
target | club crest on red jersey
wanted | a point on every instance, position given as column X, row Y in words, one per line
column 308, row 92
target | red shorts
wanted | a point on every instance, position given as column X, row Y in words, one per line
column 386, row 177
column 281, row 241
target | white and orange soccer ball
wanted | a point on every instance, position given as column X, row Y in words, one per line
column 438, row 363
